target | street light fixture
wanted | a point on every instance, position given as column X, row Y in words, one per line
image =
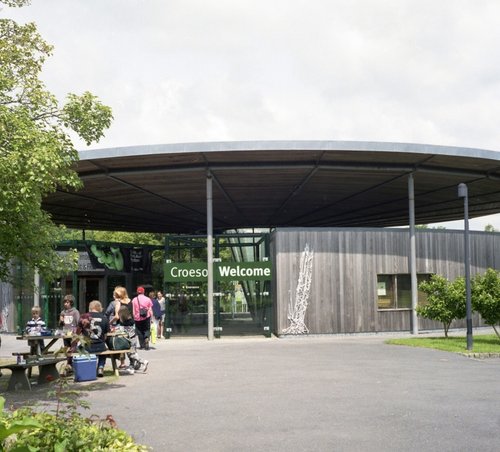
column 463, row 193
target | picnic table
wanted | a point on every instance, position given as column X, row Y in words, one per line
column 35, row 343
column 46, row 360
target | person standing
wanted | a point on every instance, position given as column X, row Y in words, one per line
column 69, row 317
column 110, row 311
column 120, row 299
column 68, row 320
column 156, row 316
column 142, row 307
column 161, row 322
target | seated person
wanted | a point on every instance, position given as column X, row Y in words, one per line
column 128, row 325
column 34, row 328
column 94, row 325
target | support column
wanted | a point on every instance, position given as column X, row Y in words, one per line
column 36, row 283
column 413, row 257
column 210, row 260
column 463, row 192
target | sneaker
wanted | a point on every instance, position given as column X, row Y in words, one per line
column 129, row 371
column 145, row 364
column 100, row 372
column 137, row 365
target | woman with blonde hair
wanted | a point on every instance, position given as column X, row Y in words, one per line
column 121, row 299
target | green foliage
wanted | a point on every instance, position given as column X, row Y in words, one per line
column 136, row 238
column 16, row 3
column 485, row 291
column 426, row 226
column 10, row 427
column 75, row 432
column 86, row 116
column 489, row 228
column 64, row 430
column 36, row 153
column 445, row 300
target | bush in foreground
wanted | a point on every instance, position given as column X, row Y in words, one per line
column 27, row 430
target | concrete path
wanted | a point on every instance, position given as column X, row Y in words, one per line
column 332, row 393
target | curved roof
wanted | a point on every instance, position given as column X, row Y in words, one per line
column 162, row 188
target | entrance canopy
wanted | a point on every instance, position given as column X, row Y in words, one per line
column 162, row 188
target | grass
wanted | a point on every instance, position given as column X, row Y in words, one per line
column 488, row 343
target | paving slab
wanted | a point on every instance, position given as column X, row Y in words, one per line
column 321, row 393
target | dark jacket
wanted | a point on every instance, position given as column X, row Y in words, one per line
column 95, row 326
column 156, row 309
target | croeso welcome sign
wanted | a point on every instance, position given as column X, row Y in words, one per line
column 223, row 271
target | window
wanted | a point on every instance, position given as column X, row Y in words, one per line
column 394, row 291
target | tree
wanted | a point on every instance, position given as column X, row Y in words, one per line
column 36, row 153
column 489, row 228
column 445, row 300
column 485, row 297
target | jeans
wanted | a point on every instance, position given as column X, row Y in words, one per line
column 143, row 331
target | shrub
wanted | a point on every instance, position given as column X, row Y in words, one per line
column 64, row 430
column 445, row 300
column 486, row 297
column 74, row 433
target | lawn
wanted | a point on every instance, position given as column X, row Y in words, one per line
column 488, row 343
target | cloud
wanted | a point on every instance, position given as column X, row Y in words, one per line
column 420, row 71
column 197, row 70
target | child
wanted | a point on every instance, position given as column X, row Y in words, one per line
column 127, row 322
column 34, row 328
column 68, row 320
column 36, row 323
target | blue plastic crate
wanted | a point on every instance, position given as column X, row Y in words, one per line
column 85, row 367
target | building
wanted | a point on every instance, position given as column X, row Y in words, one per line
column 315, row 189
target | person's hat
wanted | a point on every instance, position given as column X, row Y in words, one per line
column 140, row 289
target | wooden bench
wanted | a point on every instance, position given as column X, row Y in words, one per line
column 19, row 379
column 28, row 354
column 113, row 355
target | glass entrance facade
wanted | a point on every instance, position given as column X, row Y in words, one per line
column 242, row 282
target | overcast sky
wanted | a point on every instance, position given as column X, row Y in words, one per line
column 421, row 71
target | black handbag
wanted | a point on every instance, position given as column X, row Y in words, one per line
column 143, row 312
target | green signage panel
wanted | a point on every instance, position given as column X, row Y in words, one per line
column 223, row 271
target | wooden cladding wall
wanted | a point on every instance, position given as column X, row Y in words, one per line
column 343, row 295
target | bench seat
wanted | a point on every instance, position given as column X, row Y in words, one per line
column 19, row 379
column 113, row 355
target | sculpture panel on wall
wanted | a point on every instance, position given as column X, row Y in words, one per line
column 297, row 309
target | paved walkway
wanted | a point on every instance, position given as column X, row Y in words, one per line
column 348, row 393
